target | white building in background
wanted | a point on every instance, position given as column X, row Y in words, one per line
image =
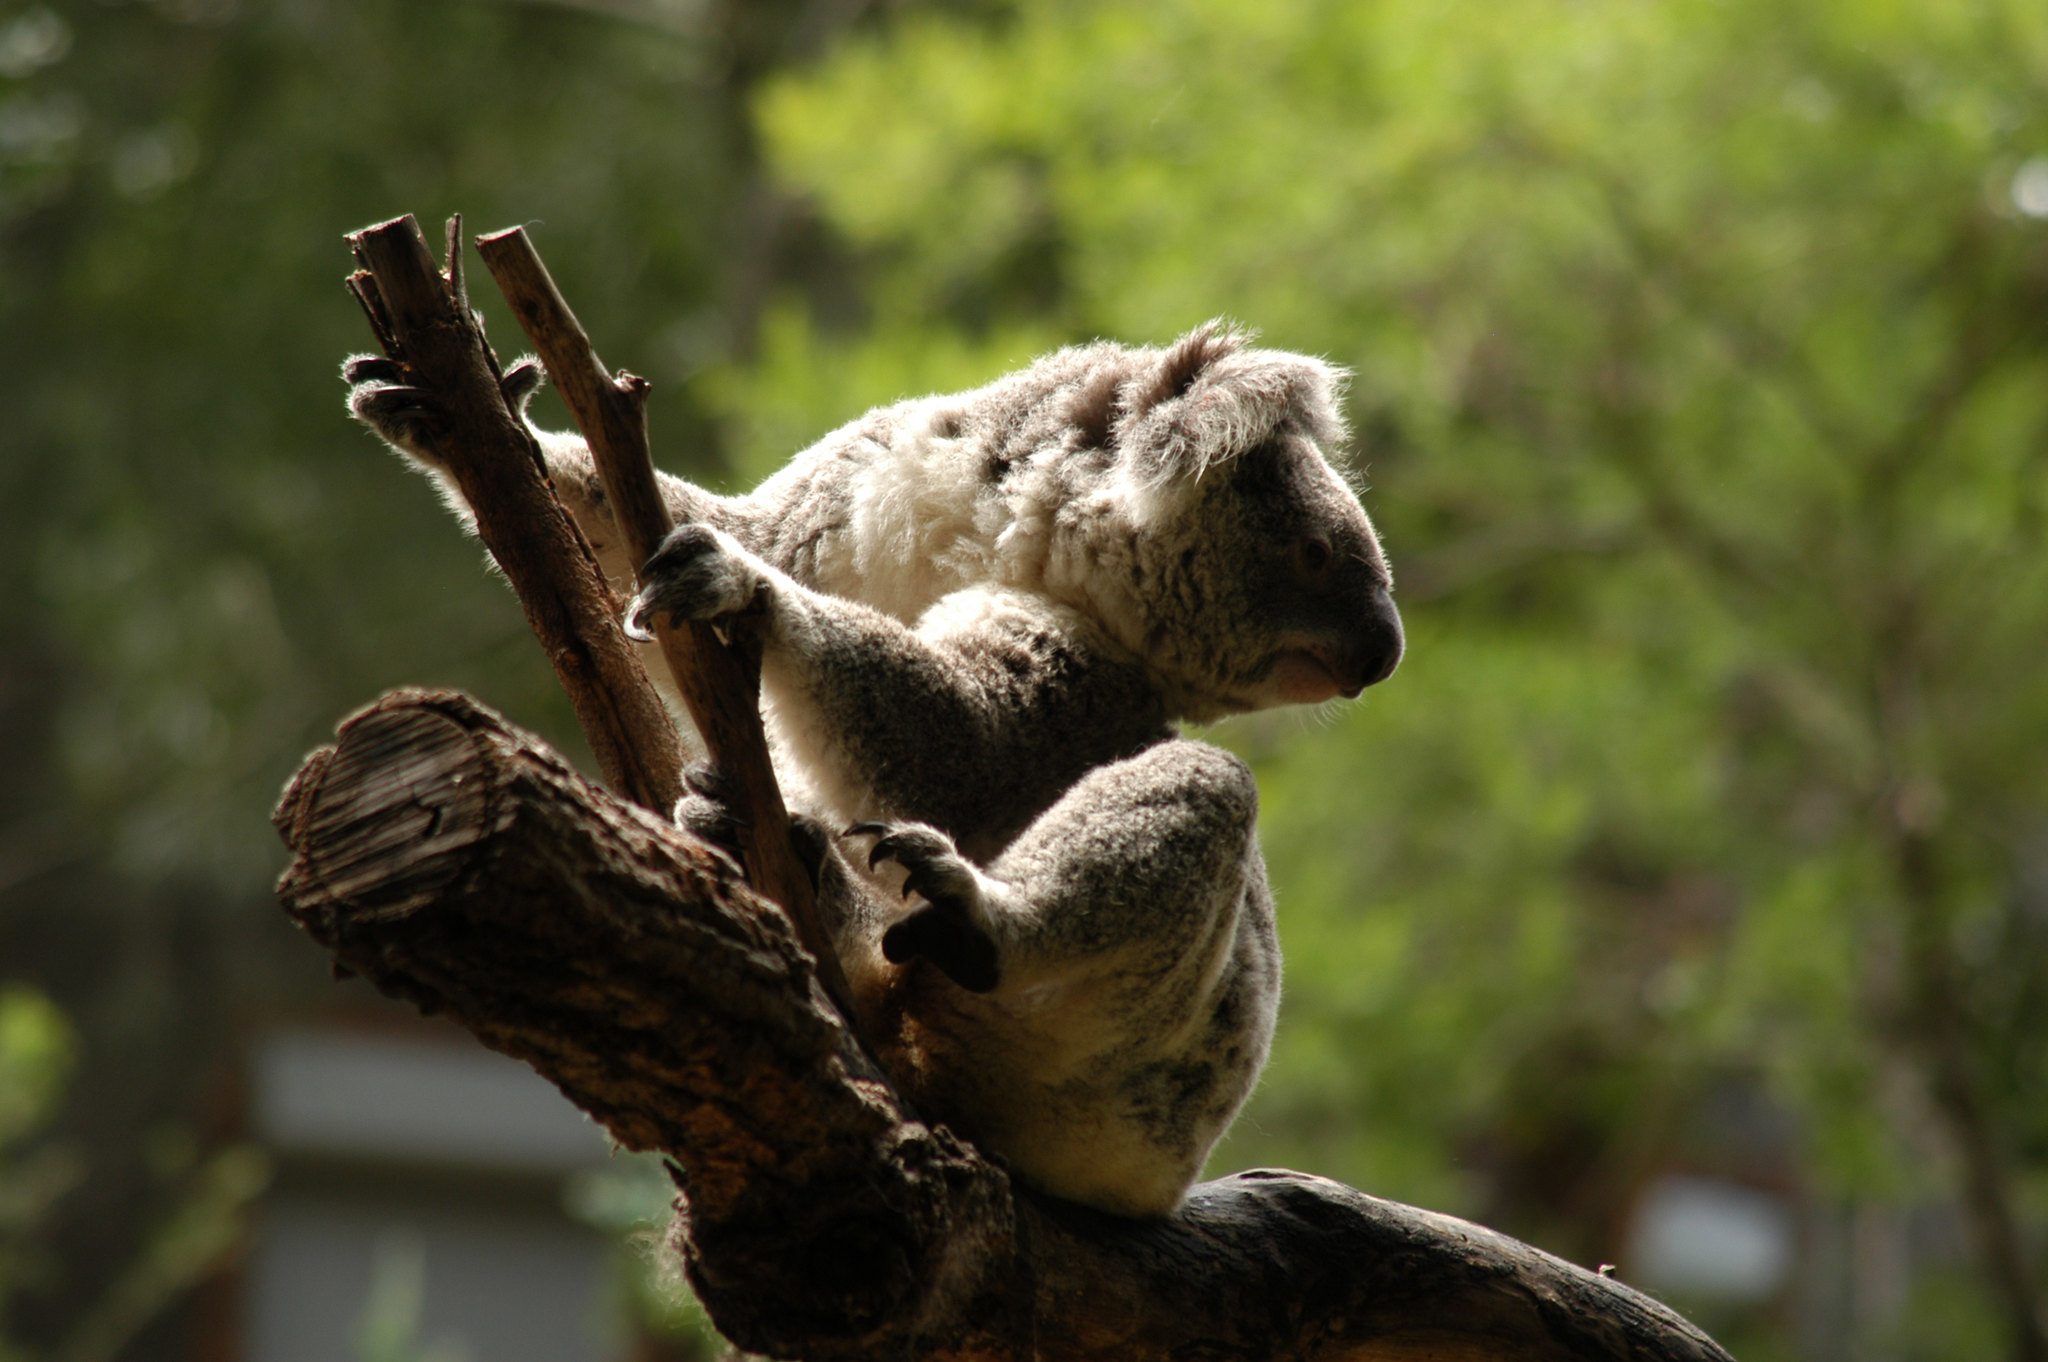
column 1714, row 1238
column 418, row 1208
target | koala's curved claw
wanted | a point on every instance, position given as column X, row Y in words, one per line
column 920, row 851
column 371, row 369
column 866, row 830
column 933, row 867
column 384, row 402
column 692, row 576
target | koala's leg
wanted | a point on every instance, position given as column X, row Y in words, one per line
column 1137, row 976
column 975, row 728
column 1138, row 872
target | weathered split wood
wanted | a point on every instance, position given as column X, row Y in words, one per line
column 422, row 319
column 459, row 864
column 721, row 689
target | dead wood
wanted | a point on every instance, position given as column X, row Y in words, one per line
column 720, row 686
column 422, row 319
column 461, row 865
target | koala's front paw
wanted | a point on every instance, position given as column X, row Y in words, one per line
column 949, row 930
column 383, row 396
column 696, row 574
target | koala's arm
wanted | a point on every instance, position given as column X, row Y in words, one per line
column 1028, row 785
column 976, row 721
column 410, row 420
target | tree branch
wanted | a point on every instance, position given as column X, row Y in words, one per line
column 719, row 685
column 459, row 864
column 422, row 320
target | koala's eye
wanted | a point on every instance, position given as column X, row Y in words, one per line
column 1313, row 554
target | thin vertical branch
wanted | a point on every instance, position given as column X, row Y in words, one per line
column 720, row 686
column 423, row 321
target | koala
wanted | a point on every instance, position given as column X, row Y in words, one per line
column 983, row 617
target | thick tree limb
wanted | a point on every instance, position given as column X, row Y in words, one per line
column 460, row 864
column 422, row 319
column 720, row 687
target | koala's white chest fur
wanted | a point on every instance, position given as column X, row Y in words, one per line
column 915, row 519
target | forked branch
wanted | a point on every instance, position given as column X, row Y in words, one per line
column 422, row 320
column 720, row 686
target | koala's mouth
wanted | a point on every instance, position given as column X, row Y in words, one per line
column 1306, row 676
column 1318, row 667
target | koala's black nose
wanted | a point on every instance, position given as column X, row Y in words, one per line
column 1380, row 642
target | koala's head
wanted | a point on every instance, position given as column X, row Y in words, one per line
column 1222, row 547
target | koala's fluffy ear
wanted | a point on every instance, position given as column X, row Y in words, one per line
column 1208, row 397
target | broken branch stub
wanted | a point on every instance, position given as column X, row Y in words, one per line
column 720, row 687
column 422, row 320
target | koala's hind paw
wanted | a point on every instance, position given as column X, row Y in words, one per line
column 950, row 929
column 696, row 574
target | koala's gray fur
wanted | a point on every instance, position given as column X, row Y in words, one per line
column 983, row 616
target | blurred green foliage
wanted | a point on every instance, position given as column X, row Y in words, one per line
column 38, row 1051
column 36, row 1054
column 1701, row 391
column 390, row 1327
column 200, row 532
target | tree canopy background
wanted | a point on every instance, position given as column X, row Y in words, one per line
column 1702, row 389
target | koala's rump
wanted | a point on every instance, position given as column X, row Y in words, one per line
column 1085, row 1094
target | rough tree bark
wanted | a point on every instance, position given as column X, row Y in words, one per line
column 461, row 865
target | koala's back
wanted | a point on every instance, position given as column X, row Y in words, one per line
column 916, row 500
